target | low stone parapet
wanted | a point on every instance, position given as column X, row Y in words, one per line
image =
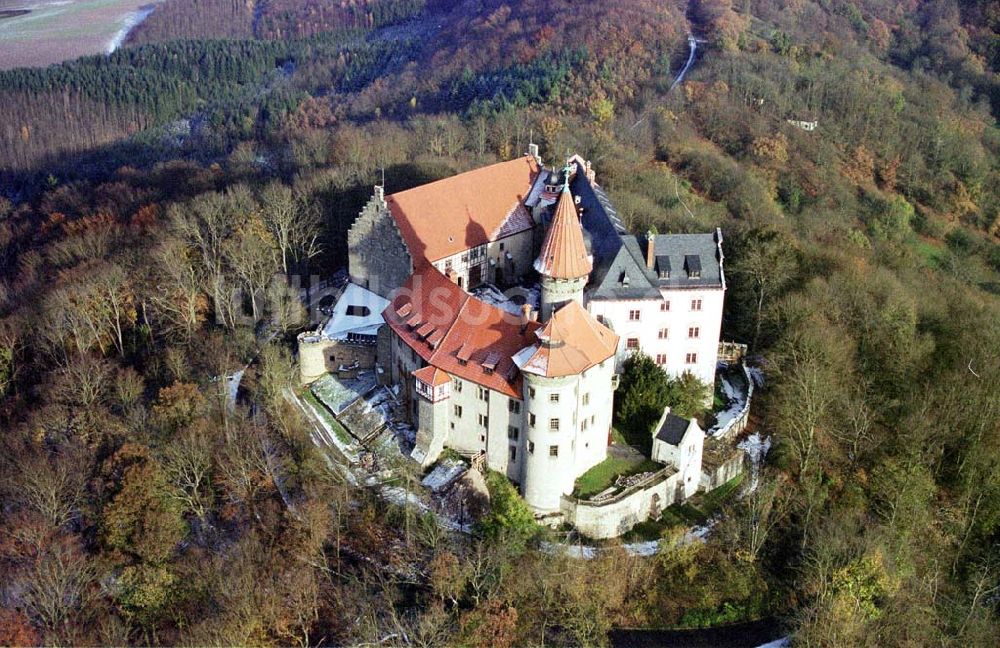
column 612, row 516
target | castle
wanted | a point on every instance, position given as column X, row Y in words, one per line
column 524, row 382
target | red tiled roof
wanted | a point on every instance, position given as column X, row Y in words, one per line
column 467, row 328
column 571, row 342
column 446, row 217
column 431, row 376
column 564, row 254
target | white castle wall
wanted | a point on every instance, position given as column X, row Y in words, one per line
column 612, row 518
column 677, row 320
column 584, row 414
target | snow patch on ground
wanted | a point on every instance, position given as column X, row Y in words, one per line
column 233, row 383
column 756, row 449
column 444, row 475
column 736, row 391
column 640, row 549
column 784, row 642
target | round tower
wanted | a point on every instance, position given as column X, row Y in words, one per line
column 563, row 263
column 549, row 469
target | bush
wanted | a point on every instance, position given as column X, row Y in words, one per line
column 644, row 391
column 640, row 398
column 509, row 518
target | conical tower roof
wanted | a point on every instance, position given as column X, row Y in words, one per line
column 564, row 254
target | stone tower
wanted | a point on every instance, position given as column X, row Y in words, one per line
column 567, row 386
column 563, row 263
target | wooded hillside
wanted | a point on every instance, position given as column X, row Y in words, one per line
column 141, row 506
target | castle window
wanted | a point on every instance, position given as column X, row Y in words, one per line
column 554, row 398
column 694, row 331
column 554, row 451
column 554, row 425
column 632, row 344
column 458, row 411
column 531, row 392
column 513, row 432
column 513, row 453
column 661, row 358
column 514, row 406
column 696, row 304
column 531, row 447
column 484, row 394
column 456, row 384
column 665, row 306
column 691, row 358
column 531, row 420
column 633, row 315
column 662, row 334
column 584, row 425
column 484, row 420
column 586, row 398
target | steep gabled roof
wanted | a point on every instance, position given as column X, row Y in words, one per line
column 695, row 260
column 571, row 342
column 457, row 333
column 673, row 429
column 564, row 254
column 446, row 217
column 609, row 279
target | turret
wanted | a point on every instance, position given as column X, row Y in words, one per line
column 567, row 385
column 563, row 263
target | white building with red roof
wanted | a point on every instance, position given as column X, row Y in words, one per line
column 530, row 391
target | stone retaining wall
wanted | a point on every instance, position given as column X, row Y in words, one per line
column 613, row 517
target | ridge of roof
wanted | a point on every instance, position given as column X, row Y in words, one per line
column 564, row 253
column 448, row 216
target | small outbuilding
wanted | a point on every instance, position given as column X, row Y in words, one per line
column 679, row 442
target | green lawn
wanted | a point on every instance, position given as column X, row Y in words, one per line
column 604, row 474
column 338, row 429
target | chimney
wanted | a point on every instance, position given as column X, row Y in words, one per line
column 533, row 152
column 380, row 193
column 650, row 257
column 589, row 172
column 525, row 316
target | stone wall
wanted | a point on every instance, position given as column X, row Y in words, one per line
column 319, row 355
column 727, row 469
column 377, row 255
column 614, row 517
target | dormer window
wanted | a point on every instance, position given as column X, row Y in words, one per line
column 623, row 279
column 490, row 363
column 692, row 264
column 662, row 266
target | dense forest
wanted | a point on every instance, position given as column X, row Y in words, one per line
column 143, row 505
